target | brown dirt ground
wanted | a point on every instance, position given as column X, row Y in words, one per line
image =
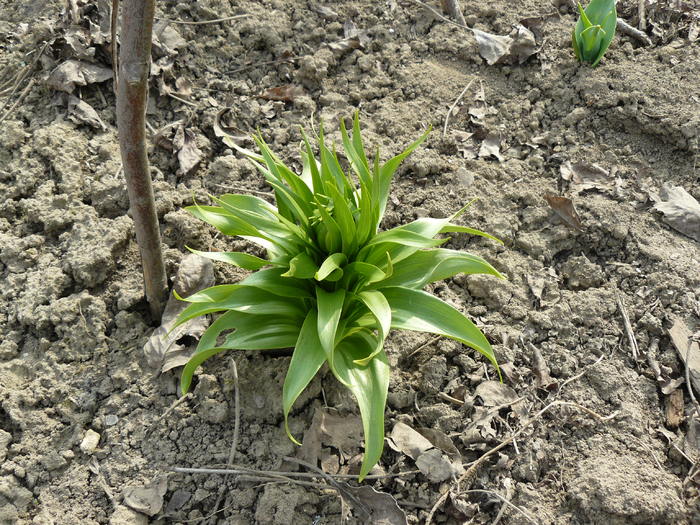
column 73, row 319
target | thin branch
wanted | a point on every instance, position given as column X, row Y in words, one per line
column 132, row 96
column 202, row 22
column 454, row 104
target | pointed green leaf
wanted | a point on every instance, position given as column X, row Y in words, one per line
column 331, row 268
column 369, row 384
column 380, row 309
column 307, row 359
column 421, row 312
column 240, row 259
column 271, row 281
column 330, row 307
column 302, row 267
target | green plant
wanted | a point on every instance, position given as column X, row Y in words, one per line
column 594, row 30
column 332, row 286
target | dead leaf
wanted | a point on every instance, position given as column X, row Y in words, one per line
column 161, row 349
column 491, row 147
column 188, row 154
column 492, row 47
column 689, row 351
column 524, row 45
column 681, row 210
column 80, row 111
column 286, row 93
column 518, row 46
column 408, row 441
column 166, row 39
column 586, row 176
column 495, row 393
column 228, row 129
column 73, row 73
column 674, row 408
column 435, row 465
column 564, row 208
column 147, row 499
column 343, row 433
column 539, row 367
column 354, row 38
column 377, row 508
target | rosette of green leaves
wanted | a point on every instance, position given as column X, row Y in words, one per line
column 332, row 285
column 594, row 30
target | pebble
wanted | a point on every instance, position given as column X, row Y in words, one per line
column 90, row 442
column 111, row 420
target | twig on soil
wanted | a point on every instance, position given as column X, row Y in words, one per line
column 234, row 443
column 202, row 22
column 452, row 8
column 450, row 399
column 504, row 500
column 581, row 373
column 424, row 345
column 642, row 15
column 24, row 93
column 633, row 32
column 113, row 23
column 470, row 475
column 437, row 14
column 239, row 471
column 628, row 328
column 94, row 466
column 165, row 414
column 454, row 104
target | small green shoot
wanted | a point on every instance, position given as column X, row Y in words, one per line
column 594, row 30
column 331, row 286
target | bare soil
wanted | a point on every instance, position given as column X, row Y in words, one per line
column 73, row 320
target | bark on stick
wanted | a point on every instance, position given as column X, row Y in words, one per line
column 132, row 98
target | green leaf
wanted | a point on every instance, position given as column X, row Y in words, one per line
column 594, row 30
column 330, row 308
column 252, row 332
column 272, row 281
column 241, row 298
column 428, row 266
column 456, row 228
column 421, row 312
column 307, row 359
column 302, row 267
column 242, row 260
column 331, row 268
column 369, row 384
column 378, row 305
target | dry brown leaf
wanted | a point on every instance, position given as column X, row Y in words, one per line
column 681, row 210
column 343, row 433
column 73, row 73
column 188, row 154
column 408, row 441
column 80, row 111
column 541, row 371
column 491, row 147
column 166, row 39
column 518, row 46
column 147, row 499
column 586, row 176
column 161, row 349
column 377, row 508
column 286, row 93
column 674, row 408
column 564, row 208
column 688, row 350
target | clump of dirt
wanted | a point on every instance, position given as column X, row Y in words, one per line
column 89, row 432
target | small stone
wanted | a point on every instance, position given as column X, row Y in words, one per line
column 464, row 178
column 90, row 442
column 68, row 455
column 111, row 420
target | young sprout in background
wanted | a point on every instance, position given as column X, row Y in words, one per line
column 331, row 286
column 594, row 30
